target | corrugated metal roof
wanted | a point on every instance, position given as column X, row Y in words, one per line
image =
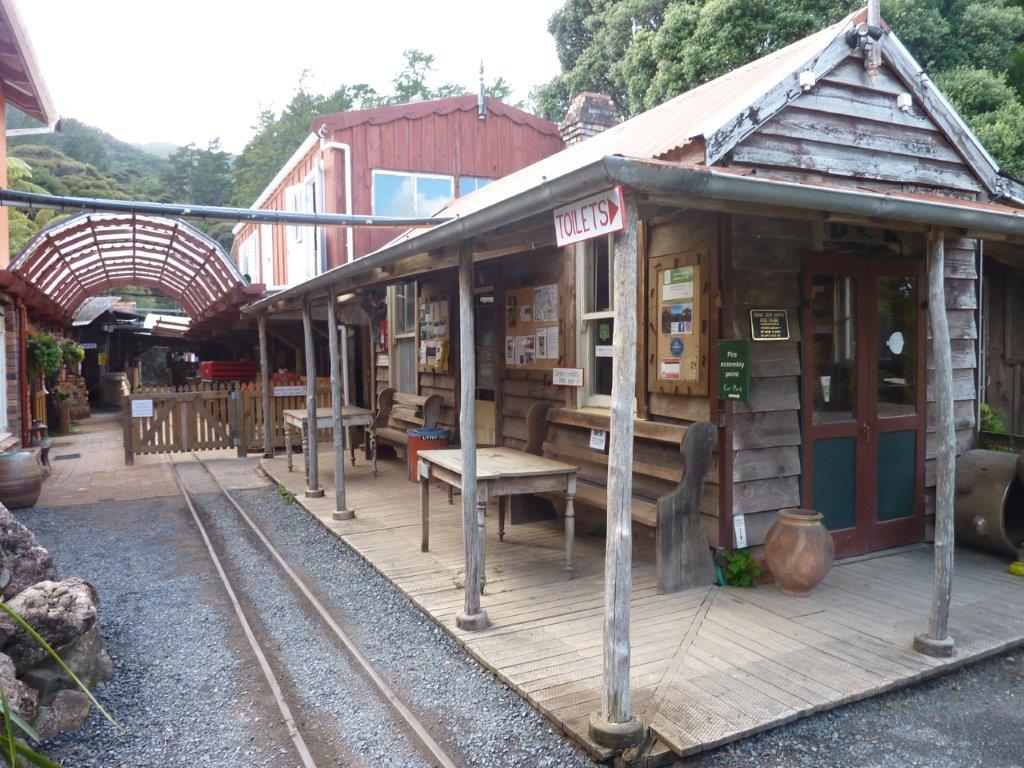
column 92, row 308
column 669, row 126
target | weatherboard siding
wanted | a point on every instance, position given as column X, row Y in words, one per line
column 847, row 128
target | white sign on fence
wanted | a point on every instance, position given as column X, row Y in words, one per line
column 598, row 439
column 567, row 377
column 600, row 214
column 297, row 390
column 142, row 409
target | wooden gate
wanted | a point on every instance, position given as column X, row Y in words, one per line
column 172, row 422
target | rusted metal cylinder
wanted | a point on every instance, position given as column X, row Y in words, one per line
column 989, row 504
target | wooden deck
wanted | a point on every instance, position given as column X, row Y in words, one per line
column 709, row 665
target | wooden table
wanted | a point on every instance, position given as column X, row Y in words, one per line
column 500, row 473
column 351, row 416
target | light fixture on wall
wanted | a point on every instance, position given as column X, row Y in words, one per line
column 807, row 80
column 904, row 101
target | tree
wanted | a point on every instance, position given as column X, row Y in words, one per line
column 643, row 52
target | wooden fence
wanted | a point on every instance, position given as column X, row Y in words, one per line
column 206, row 416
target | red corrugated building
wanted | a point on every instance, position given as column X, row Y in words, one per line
column 400, row 160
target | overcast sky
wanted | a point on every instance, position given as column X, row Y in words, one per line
column 192, row 70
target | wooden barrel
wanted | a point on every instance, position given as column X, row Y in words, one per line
column 21, row 479
column 989, row 503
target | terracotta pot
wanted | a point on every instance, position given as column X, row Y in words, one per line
column 799, row 551
column 21, row 479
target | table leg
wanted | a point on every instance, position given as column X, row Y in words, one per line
column 351, row 445
column 451, row 495
column 424, row 509
column 373, row 448
column 570, row 531
column 502, row 504
column 481, row 521
column 288, row 444
column 305, row 453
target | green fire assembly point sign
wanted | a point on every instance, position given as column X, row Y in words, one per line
column 734, row 370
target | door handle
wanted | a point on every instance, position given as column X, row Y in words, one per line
column 866, row 430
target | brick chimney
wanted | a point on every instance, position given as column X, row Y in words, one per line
column 588, row 115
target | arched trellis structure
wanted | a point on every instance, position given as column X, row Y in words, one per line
column 94, row 253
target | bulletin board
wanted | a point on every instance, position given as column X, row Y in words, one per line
column 434, row 350
column 678, row 313
column 533, row 325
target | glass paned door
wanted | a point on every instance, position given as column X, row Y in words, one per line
column 864, row 428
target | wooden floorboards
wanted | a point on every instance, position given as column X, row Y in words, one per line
column 709, row 665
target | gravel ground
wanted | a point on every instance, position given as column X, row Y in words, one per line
column 971, row 718
column 477, row 719
column 184, row 691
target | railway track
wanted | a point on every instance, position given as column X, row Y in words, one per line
column 431, row 750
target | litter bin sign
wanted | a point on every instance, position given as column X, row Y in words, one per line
column 424, row 439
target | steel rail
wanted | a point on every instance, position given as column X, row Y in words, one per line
column 293, row 731
column 419, row 730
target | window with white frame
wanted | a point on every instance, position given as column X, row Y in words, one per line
column 402, row 320
column 596, row 276
column 306, row 246
column 267, row 255
column 247, row 256
column 402, row 194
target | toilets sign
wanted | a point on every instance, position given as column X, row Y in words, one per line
column 594, row 216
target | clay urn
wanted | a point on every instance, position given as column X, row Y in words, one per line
column 799, row 551
column 21, row 479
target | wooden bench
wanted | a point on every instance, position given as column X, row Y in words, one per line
column 397, row 413
column 665, row 497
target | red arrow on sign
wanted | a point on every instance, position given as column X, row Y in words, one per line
column 594, row 216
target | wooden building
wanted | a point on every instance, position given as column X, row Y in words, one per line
column 21, row 87
column 405, row 160
column 813, row 221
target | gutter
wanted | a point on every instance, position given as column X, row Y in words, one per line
column 667, row 179
column 16, row 199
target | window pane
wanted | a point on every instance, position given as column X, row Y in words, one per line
column 469, row 184
column 833, row 363
column 599, row 279
column 405, row 308
column 393, row 194
column 603, row 331
column 897, row 351
column 405, row 361
column 432, row 194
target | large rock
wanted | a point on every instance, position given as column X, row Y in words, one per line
column 67, row 712
column 20, row 697
column 86, row 656
column 23, row 558
column 60, row 611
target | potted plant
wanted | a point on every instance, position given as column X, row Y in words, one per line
column 72, row 355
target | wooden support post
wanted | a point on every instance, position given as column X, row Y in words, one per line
column 473, row 617
column 268, row 427
column 344, row 365
column 615, row 726
column 127, row 427
column 236, row 421
column 341, row 510
column 937, row 641
column 313, row 489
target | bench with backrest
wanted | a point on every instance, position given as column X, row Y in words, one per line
column 398, row 412
column 663, row 499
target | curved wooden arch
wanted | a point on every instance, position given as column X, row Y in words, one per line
column 92, row 253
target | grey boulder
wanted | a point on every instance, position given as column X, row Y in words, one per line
column 23, row 558
column 21, row 698
column 86, row 656
column 67, row 712
column 59, row 611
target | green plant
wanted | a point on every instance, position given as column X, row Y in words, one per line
column 62, row 395
column 71, row 353
column 44, row 354
column 741, row 570
column 288, row 496
column 990, row 421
